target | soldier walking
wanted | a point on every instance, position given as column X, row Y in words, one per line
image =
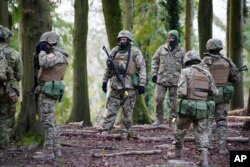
column 127, row 75
column 224, row 73
column 194, row 85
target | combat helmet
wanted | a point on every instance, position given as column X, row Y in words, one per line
column 125, row 33
column 50, row 37
column 214, row 44
column 4, row 32
column 191, row 56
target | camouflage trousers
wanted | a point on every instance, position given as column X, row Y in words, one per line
column 116, row 100
column 7, row 120
column 220, row 117
column 160, row 96
column 200, row 131
column 47, row 116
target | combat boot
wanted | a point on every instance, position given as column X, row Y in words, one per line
column 204, row 158
column 57, row 151
column 223, row 148
column 45, row 155
column 178, row 152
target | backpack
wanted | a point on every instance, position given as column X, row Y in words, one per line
column 3, row 67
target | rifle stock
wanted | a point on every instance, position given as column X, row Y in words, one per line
column 119, row 78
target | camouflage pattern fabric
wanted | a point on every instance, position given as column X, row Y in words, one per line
column 183, row 122
column 115, row 99
column 200, row 131
column 8, row 108
column 166, row 65
column 47, row 111
column 160, row 96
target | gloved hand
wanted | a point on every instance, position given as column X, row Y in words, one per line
column 141, row 90
column 42, row 46
column 154, row 78
column 104, row 87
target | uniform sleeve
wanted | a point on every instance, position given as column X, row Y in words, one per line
column 182, row 85
column 141, row 66
column 156, row 62
column 234, row 72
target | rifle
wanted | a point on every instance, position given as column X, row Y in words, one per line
column 243, row 68
column 119, row 78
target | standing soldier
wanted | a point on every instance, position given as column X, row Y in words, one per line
column 166, row 69
column 224, row 73
column 194, row 85
column 52, row 62
column 11, row 72
column 125, row 66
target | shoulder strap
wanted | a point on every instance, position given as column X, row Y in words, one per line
column 127, row 61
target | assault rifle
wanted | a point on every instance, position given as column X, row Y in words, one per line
column 114, row 68
column 243, row 68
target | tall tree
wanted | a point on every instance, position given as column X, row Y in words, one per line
column 140, row 114
column 4, row 13
column 113, row 20
column 80, row 110
column 189, row 24
column 205, row 22
column 236, row 48
column 35, row 20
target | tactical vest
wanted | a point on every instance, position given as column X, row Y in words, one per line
column 120, row 60
column 198, row 86
column 3, row 67
column 220, row 71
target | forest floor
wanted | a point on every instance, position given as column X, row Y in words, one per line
column 148, row 147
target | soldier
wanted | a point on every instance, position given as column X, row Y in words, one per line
column 11, row 72
column 131, row 67
column 194, row 85
column 52, row 62
column 224, row 73
column 166, row 69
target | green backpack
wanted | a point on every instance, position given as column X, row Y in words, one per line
column 54, row 89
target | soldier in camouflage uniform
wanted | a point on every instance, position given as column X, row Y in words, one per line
column 224, row 73
column 52, row 62
column 166, row 69
column 131, row 67
column 11, row 72
column 194, row 84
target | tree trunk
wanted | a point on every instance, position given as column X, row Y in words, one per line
column 189, row 24
column 228, row 27
column 173, row 9
column 112, row 16
column 35, row 20
column 128, row 15
column 236, row 48
column 246, row 125
column 4, row 13
column 205, row 22
column 80, row 110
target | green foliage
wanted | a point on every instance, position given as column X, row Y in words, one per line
column 29, row 139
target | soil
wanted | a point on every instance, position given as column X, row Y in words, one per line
column 81, row 146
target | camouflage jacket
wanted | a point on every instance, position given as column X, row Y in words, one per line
column 16, row 67
column 234, row 75
column 167, row 65
column 186, row 77
column 136, row 65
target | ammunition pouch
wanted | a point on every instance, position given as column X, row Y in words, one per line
column 54, row 89
column 198, row 109
column 225, row 94
column 135, row 80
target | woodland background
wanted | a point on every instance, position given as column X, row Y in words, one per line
column 85, row 26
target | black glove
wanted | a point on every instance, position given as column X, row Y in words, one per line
column 42, row 46
column 141, row 90
column 154, row 78
column 104, row 87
